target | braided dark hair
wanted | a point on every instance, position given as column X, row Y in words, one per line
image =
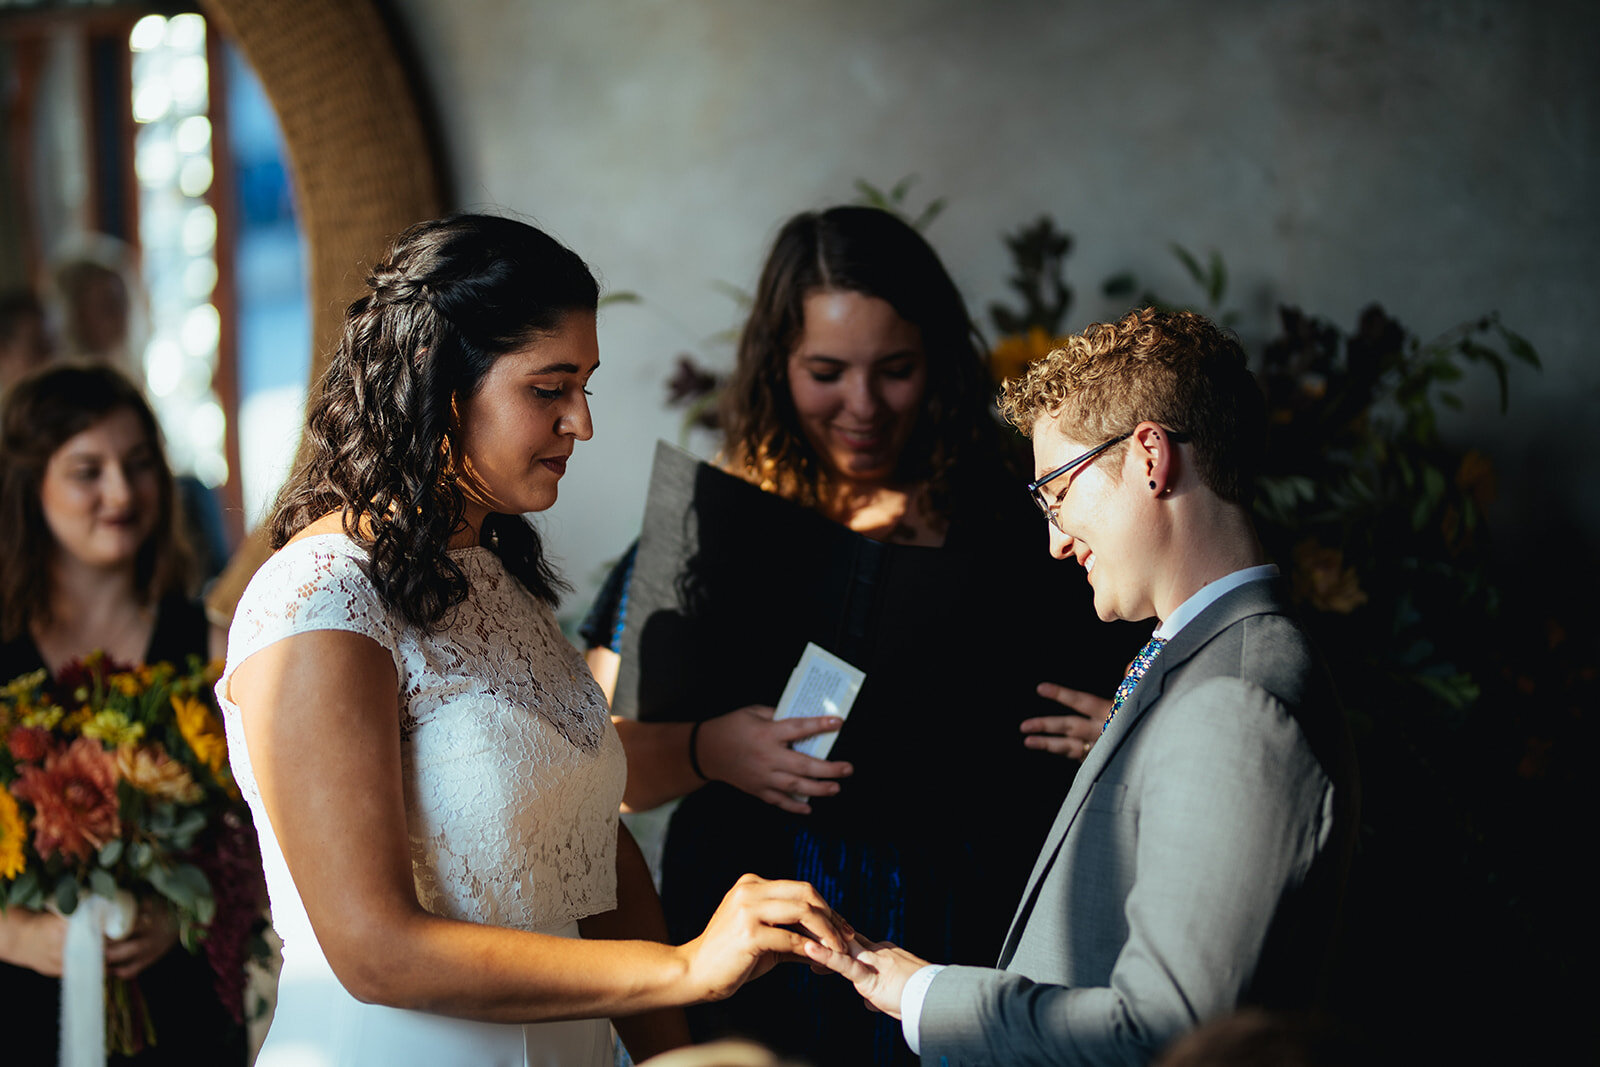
column 450, row 298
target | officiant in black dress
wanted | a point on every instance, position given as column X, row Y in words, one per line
column 866, row 502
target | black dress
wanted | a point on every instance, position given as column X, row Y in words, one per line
column 930, row 842
column 192, row 1026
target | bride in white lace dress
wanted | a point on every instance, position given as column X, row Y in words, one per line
column 432, row 770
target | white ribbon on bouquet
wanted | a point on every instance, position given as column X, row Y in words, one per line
column 83, row 975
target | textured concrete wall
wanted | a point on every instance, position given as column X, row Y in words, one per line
column 1437, row 157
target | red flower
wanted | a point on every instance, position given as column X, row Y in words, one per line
column 29, row 743
column 74, row 798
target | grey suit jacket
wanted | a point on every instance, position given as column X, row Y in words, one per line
column 1197, row 862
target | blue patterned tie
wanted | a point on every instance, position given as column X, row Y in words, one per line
column 1136, row 669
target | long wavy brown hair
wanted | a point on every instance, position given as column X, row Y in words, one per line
column 449, row 298
column 872, row 252
column 41, row 414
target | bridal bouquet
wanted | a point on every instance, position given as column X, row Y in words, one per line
column 114, row 785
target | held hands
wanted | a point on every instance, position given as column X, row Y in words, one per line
column 750, row 750
column 1071, row 736
column 878, row 969
column 758, row 924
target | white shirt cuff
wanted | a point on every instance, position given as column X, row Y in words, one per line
column 911, row 998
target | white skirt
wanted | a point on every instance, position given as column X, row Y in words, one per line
column 318, row 1024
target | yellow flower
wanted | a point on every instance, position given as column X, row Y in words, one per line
column 73, row 722
column 21, row 687
column 1014, row 352
column 112, row 727
column 203, row 732
column 127, row 684
column 148, row 768
column 13, row 837
column 45, row 716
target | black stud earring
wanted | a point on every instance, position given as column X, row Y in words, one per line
column 1152, row 485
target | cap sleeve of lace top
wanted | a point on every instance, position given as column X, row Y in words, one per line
column 316, row 583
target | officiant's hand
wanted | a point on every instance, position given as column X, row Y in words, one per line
column 758, row 924
column 750, row 750
column 1071, row 736
column 878, row 969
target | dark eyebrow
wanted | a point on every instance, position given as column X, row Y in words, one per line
column 561, row 368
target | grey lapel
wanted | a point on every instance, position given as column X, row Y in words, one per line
column 1261, row 597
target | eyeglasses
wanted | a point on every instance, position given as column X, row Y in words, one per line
column 1051, row 509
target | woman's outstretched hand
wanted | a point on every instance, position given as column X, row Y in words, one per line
column 878, row 969
column 1071, row 736
column 758, row 924
column 750, row 751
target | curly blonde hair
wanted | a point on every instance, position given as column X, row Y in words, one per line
column 1173, row 368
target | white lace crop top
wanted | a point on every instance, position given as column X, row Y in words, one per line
column 512, row 770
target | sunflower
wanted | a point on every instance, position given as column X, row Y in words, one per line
column 13, row 837
column 202, row 731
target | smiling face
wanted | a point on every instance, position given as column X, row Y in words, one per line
column 1099, row 508
column 518, row 429
column 857, row 375
column 101, row 492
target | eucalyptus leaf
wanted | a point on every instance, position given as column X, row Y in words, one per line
column 103, row 885
column 25, row 891
column 111, row 852
column 166, row 882
column 192, row 822
column 66, row 894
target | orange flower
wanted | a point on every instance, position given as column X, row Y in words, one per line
column 29, row 743
column 1321, row 578
column 1014, row 352
column 74, row 798
column 150, row 769
column 1475, row 477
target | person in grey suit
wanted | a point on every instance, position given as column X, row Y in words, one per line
column 1198, row 861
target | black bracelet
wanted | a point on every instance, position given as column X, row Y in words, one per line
column 694, row 757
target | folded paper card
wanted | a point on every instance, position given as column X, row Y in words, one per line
column 822, row 684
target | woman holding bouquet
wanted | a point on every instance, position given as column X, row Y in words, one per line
column 93, row 562
column 432, row 770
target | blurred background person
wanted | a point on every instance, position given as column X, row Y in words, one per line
column 24, row 336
